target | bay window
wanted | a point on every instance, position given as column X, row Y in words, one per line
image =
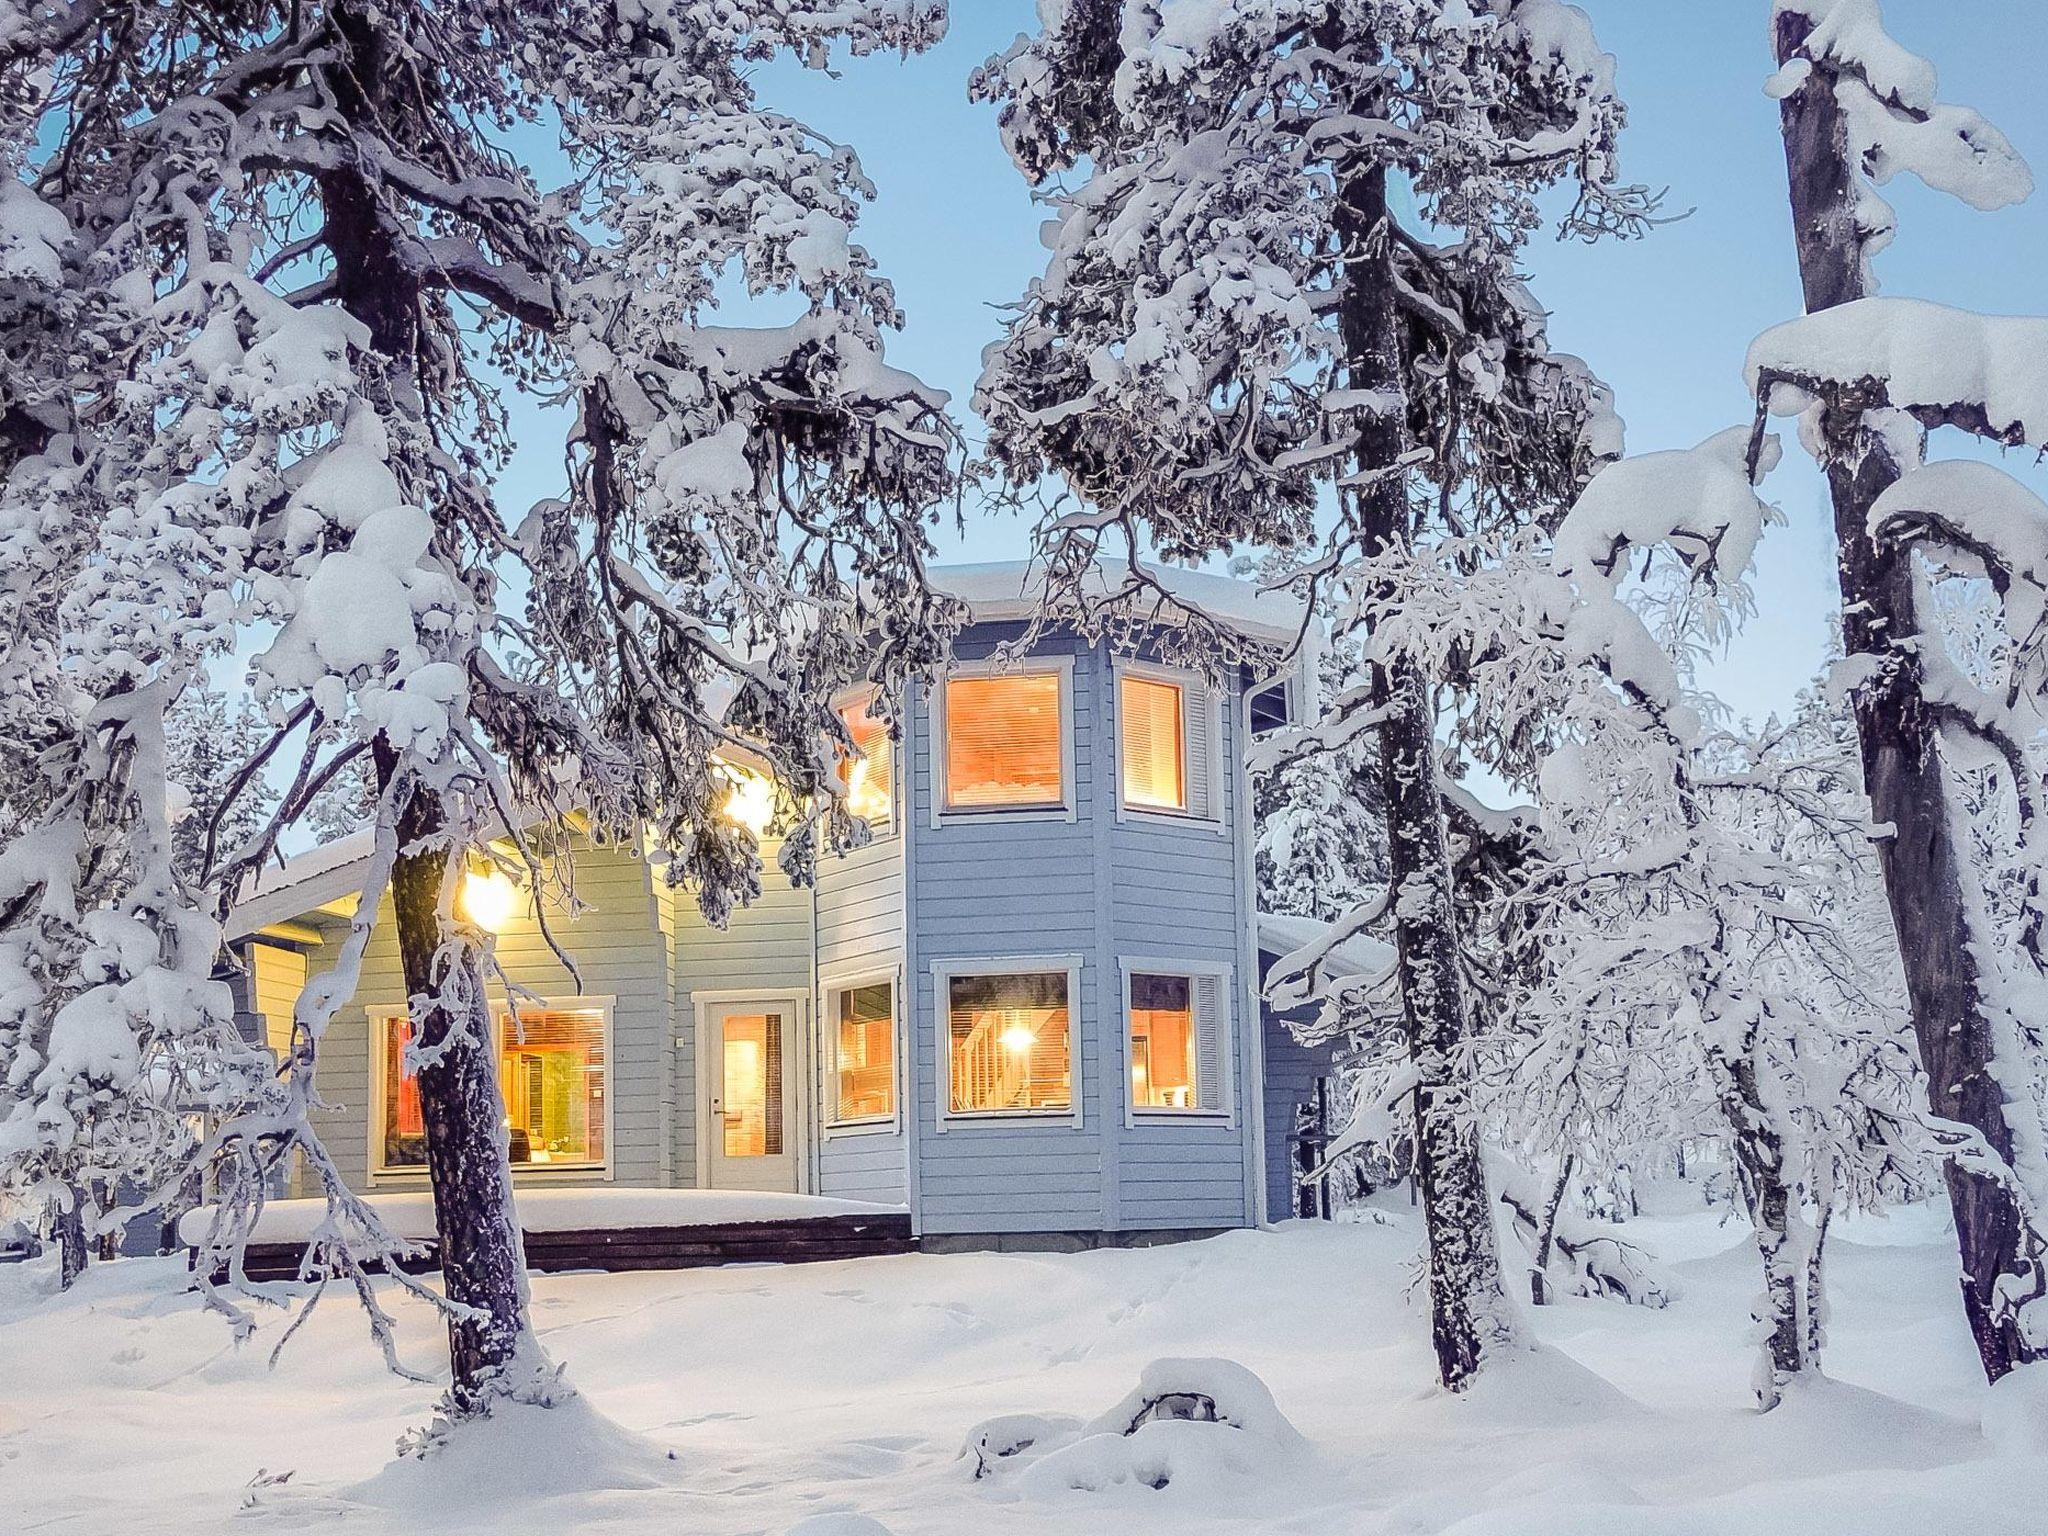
column 1006, row 741
column 863, row 1024
column 1166, row 730
column 1176, row 1040
column 552, row 1070
column 1009, row 1041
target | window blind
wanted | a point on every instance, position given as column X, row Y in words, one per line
column 871, row 774
column 1008, row 1043
column 1153, row 729
column 866, row 1052
column 1003, row 744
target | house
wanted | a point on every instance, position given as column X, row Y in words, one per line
column 1027, row 1011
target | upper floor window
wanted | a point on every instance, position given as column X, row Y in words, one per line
column 1166, row 728
column 1006, row 741
column 551, row 1068
column 871, row 774
column 1009, row 1042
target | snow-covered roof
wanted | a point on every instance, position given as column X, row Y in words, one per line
column 1011, row 589
column 1282, row 933
column 294, row 887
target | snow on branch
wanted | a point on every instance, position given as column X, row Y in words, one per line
column 1987, row 374
column 1895, row 122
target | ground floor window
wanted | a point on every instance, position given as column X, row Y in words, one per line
column 863, row 1023
column 552, row 1069
column 1176, row 1041
column 1010, row 1043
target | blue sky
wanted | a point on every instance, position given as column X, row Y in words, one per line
column 1665, row 320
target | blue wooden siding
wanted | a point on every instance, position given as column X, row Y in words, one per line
column 1290, row 1080
column 1104, row 889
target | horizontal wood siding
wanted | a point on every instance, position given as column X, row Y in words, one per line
column 616, row 943
column 860, row 931
column 1290, row 1080
column 767, row 946
column 1176, row 894
column 989, row 890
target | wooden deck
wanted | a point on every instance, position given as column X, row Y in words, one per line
column 807, row 1240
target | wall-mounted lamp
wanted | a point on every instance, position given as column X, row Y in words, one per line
column 487, row 898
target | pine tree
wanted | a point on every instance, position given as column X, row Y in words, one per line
column 1856, row 108
column 292, row 224
column 1237, row 327
column 212, row 738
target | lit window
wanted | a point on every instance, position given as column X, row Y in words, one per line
column 864, row 1021
column 870, row 775
column 1003, row 742
column 751, row 1112
column 1153, row 727
column 750, row 797
column 551, row 1069
column 1176, row 1028
column 1010, row 1049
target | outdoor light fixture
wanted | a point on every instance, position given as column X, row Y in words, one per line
column 1018, row 1040
column 487, row 898
column 752, row 801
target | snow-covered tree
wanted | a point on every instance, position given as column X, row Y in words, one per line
column 1869, row 377
column 1237, row 329
column 212, row 739
column 324, row 257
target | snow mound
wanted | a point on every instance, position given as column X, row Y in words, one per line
column 839, row 1525
column 1200, row 1427
column 519, row 1454
column 2015, row 1415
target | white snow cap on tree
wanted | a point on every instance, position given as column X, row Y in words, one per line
column 1895, row 121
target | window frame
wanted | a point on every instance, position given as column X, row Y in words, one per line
column 946, row 971
column 1201, row 705
column 866, row 694
column 379, row 1015
column 1068, row 809
column 830, row 985
column 1195, row 971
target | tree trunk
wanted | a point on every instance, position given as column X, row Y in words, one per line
column 1816, row 1288
column 1924, row 869
column 69, row 1230
column 1761, row 1157
column 468, row 1167
column 483, row 1261
column 1468, row 1309
column 1546, row 1235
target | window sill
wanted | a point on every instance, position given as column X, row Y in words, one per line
column 836, row 1130
column 542, row 1171
column 967, row 1119
column 1147, row 817
column 985, row 814
column 1210, row 1117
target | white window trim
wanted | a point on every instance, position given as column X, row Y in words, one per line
column 378, row 1015
column 1034, row 666
column 703, row 1004
column 869, row 692
column 1197, row 693
column 1226, row 1048
column 828, row 1050
column 943, row 972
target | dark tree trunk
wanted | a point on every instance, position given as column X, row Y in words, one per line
column 69, row 1230
column 1467, row 1306
column 468, row 1167
column 1546, row 1236
column 483, row 1262
column 1924, row 869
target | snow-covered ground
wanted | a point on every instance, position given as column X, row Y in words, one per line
column 758, row 1398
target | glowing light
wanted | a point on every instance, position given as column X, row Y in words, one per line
column 751, row 804
column 1017, row 1039
column 487, row 898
